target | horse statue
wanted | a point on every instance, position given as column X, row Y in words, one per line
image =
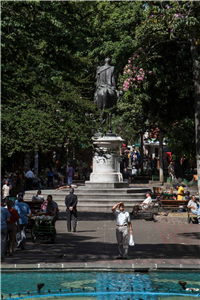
column 106, row 94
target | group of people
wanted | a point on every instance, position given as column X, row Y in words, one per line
column 13, row 219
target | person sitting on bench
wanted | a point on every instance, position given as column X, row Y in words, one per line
column 144, row 205
column 194, row 207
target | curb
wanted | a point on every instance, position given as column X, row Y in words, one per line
column 113, row 266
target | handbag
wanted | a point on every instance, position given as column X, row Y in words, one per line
column 131, row 241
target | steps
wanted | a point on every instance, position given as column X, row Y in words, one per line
column 101, row 200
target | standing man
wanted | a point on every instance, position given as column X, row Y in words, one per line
column 23, row 210
column 71, row 202
column 5, row 217
column 6, row 189
column 29, row 180
column 70, row 173
column 180, row 193
column 123, row 221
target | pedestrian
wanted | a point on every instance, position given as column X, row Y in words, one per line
column 11, row 227
column 50, row 178
column 126, row 176
column 70, row 173
column 123, row 224
column 23, row 210
column 29, row 180
column 71, row 202
column 6, row 189
column 5, row 217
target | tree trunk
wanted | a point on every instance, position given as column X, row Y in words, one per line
column 196, row 78
column 161, row 157
column 141, row 154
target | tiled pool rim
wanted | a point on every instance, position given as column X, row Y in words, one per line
column 92, row 266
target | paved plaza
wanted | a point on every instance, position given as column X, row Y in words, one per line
column 93, row 246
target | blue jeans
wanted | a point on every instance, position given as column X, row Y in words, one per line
column 3, row 241
column 69, row 180
column 196, row 212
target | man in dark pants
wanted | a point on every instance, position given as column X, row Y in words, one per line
column 71, row 202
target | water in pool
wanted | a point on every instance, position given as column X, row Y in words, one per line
column 114, row 285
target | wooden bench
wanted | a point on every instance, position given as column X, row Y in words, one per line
column 172, row 204
column 35, row 205
column 191, row 216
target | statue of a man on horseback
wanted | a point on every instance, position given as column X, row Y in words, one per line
column 106, row 94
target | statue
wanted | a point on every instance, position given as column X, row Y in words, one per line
column 106, row 94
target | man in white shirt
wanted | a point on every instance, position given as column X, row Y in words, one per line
column 29, row 180
column 144, row 205
column 38, row 196
column 123, row 224
column 6, row 189
column 193, row 205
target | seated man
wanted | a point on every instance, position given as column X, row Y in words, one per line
column 194, row 207
column 52, row 208
column 38, row 196
column 144, row 205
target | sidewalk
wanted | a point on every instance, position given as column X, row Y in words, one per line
column 93, row 246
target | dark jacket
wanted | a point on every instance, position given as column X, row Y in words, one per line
column 71, row 200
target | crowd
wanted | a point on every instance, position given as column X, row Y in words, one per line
column 15, row 217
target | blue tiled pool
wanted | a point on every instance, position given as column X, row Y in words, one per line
column 100, row 285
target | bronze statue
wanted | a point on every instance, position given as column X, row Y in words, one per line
column 106, row 94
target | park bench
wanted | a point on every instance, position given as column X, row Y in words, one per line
column 34, row 205
column 192, row 217
column 172, row 204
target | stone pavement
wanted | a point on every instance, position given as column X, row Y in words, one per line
column 93, row 246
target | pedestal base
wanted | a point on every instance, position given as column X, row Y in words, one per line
column 106, row 166
column 105, row 185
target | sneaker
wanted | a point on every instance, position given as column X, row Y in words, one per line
column 124, row 257
column 74, row 229
column 119, row 257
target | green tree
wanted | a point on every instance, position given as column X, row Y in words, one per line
column 43, row 106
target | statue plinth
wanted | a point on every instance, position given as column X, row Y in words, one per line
column 106, row 162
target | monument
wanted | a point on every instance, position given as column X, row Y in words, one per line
column 106, row 166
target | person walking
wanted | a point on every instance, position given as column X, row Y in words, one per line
column 5, row 217
column 123, row 223
column 70, row 173
column 71, row 211
column 23, row 210
column 6, row 189
column 11, row 227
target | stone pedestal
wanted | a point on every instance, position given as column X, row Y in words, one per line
column 106, row 164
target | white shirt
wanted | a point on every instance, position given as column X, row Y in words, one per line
column 38, row 198
column 122, row 218
column 6, row 189
column 134, row 172
column 147, row 200
column 29, row 174
column 192, row 203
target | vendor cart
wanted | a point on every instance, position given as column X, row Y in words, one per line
column 44, row 228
